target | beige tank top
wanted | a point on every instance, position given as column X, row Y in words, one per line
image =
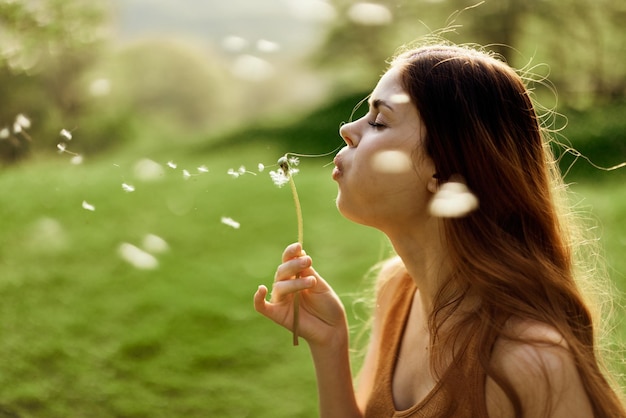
column 449, row 398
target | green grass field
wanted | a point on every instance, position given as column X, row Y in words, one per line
column 85, row 334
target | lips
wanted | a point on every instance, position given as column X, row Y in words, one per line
column 338, row 167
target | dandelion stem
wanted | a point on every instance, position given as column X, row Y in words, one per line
column 296, row 296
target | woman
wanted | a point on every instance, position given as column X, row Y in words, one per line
column 477, row 316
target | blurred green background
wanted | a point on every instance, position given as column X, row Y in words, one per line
column 124, row 289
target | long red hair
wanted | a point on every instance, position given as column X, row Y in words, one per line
column 514, row 253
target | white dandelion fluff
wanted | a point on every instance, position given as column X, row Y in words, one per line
column 453, row 200
column 234, row 43
column 391, row 162
column 61, row 147
column 67, row 135
column 154, row 244
column 88, row 206
column 4, row 133
column 400, row 98
column 203, row 169
column 128, row 188
column 146, row 169
column 234, row 174
column 230, row 222
column 137, row 257
column 279, row 178
column 251, row 68
column 370, row 14
column 261, row 167
column 186, row 174
column 264, row 45
column 77, row 159
column 22, row 121
column 172, row 164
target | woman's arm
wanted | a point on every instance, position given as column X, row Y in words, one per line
column 323, row 325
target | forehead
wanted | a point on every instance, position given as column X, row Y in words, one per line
column 390, row 84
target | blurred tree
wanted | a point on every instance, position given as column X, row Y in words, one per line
column 582, row 40
column 45, row 47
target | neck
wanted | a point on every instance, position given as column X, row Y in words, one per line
column 425, row 256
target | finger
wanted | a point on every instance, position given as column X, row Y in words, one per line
column 292, row 250
column 291, row 268
column 287, row 287
column 259, row 299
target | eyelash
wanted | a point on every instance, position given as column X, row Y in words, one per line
column 376, row 125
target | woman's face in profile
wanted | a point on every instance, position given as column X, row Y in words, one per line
column 382, row 173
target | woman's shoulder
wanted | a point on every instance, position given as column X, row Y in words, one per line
column 538, row 365
column 391, row 275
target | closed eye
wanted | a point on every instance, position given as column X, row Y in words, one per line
column 376, row 125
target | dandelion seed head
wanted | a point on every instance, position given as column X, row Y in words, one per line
column 4, row 133
column 77, row 159
column 172, row 164
column 154, row 244
column 391, row 162
column 137, row 257
column 261, row 167
column 67, row 135
column 279, row 177
column 370, row 14
column 128, row 188
column 453, row 200
column 88, row 206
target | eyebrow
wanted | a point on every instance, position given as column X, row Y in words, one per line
column 377, row 103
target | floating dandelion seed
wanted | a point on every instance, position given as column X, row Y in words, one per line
column 261, row 167
column 154, row 244
column 172, row 164
column 234, row 43
column 146, row 169
column 88, row 206
column 137, row 257
column 203, row 169
column 4, row 133
column 234, row 174
column 251, row 68
column 391, row 162
column 264, row 45
column 230, row 222
column 77, row 159
column 370, row 14
column 186, row 174
column 400, row 98
column 22, row 121
column 66, row 134
column 128, row 188
column 61, row 147
column 312, row 10
column 453, row 200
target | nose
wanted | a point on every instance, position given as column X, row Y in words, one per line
column 347, row 133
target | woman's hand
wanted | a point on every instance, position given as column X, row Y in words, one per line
column 322, row 316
